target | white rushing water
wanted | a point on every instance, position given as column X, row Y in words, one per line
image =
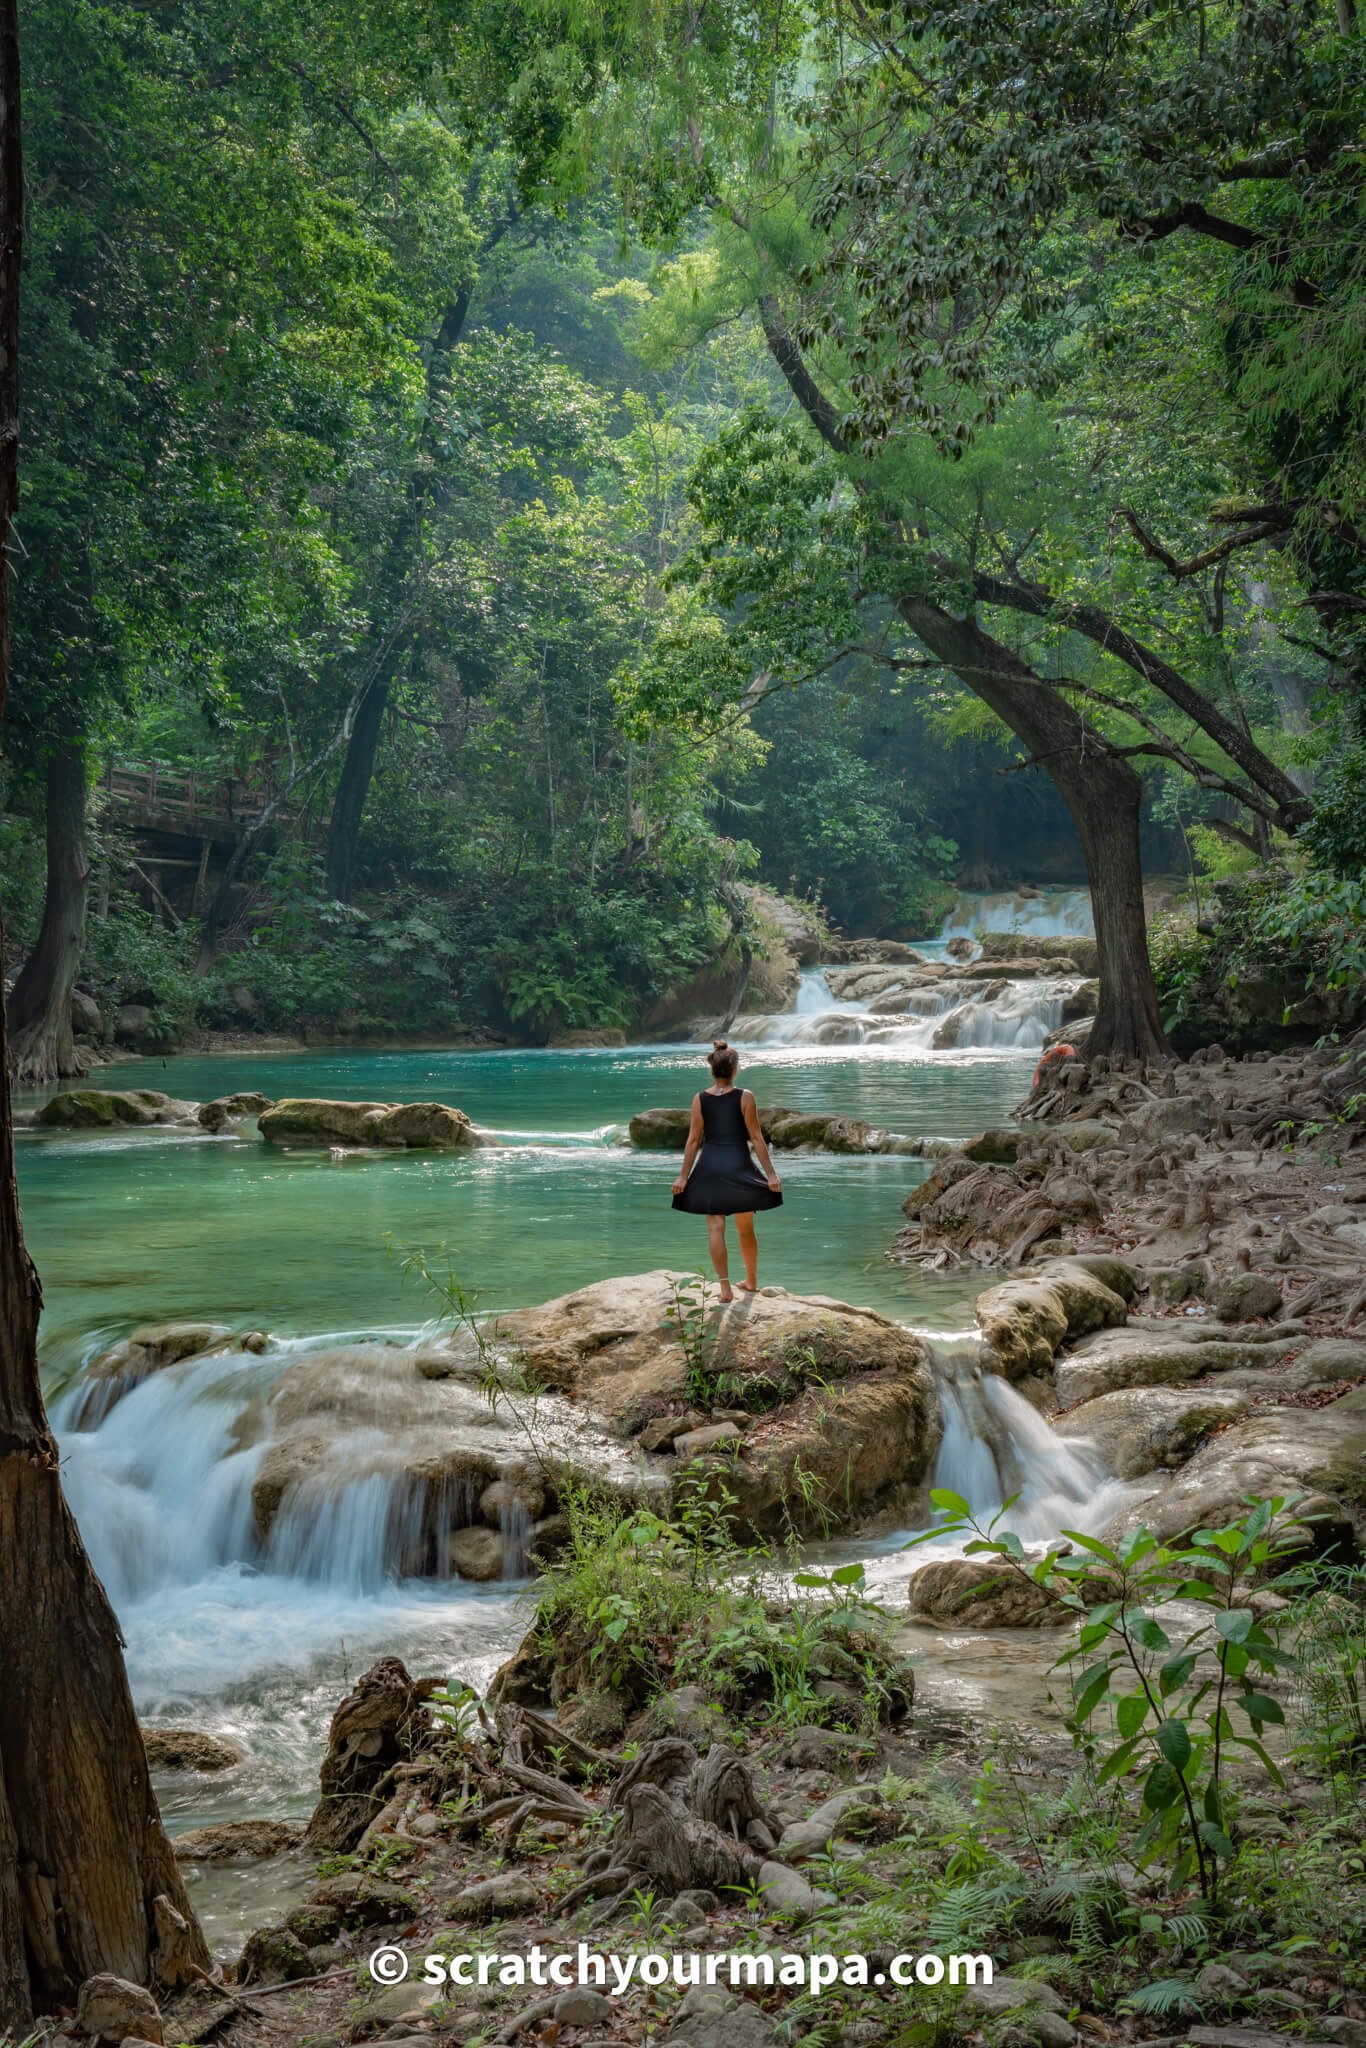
column 906, row 1009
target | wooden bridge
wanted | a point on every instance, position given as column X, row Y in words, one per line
column 216, row 808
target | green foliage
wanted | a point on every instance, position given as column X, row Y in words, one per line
column 1157, row 1714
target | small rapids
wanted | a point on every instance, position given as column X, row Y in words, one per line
column 928, row 1020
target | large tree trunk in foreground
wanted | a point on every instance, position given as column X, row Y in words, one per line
column 1104, row 796
column 42, row 1047
column 88, row 1882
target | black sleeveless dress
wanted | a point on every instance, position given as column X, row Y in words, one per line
column 725, row 1181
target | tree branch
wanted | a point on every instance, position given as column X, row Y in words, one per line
column 1246, row 537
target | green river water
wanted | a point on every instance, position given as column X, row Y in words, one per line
column 146, row 1225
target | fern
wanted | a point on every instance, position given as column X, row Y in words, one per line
column 1168, row 1994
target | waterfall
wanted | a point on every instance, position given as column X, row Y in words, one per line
column 954, row 1017
column 1050, row 914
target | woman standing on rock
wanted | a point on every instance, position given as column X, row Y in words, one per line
column 726, row 1182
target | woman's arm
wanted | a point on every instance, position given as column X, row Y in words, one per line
column 750, row 1108
column 690, row 1150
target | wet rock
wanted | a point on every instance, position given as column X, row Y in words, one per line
column 660, row 1130
column 273, row 1955
column 476, row 1554
column 189, row 1749
column 93, row 1109
column 1082, row 952
column 787, row 1130
column 495, row 1898
column 549, row 1539
column 514, row 1495
column 1319, row 1453
column 860, row 1417
column 429, row 1125
column 966, row 1592
column 1024, row 1321
column 237, row 1841
column 1245, row 1297
column 111, row 2009
column 1082, row 1001
column 1135, row 1357
column 226, row 1110
column 152, row 1348
column 1144, row 1429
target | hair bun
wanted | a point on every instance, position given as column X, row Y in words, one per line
column 718, row 1045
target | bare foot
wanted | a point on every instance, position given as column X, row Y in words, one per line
column 727, row 1293
column 745, row 1288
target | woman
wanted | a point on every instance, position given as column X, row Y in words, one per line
column 724, row 1124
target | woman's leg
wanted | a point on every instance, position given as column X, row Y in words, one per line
column 749, row 1250
column 716, row 1243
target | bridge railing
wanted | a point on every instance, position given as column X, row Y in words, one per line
column 153, row 789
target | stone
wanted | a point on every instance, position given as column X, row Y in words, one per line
column 86, row 1019
column 1330, row 1359
column 111, row 2009
column 993, row 1148
column 1136, row 1357
column 515, row 1495
column 1033, row 2009
column 431, row 1125
column 967, row 1592
column 737, row 2024
column 1082, row 1001
column 93, row 1109
column 1347, row 2033
column 549, row 1539
column 1024, row 1321
column 272, row 1955
column 136, row 1027
column 804, row 1838
column 1087, row 1134
column 697, row 1442
column 583, row 2007
column 686, row 1711
column 1319, row 1453
column 353, row 1898
column 236, row 1841
column 1079, row 951
column 393, row 2005
column 1142, row 1429
column 1175, row 1116
column 787, row 1895
column 1246, row 1297
column 476, row 1554
column 189, row 1749
column 495, row 1898
column 1217, row 1984
column 853, row 1415
column 662, row 1432
column 824, row 1748
column 227, row 1110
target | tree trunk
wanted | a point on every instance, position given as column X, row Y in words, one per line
column 348, row 806
column 42, row 1047
column 88, row 1882
column 1104, row 797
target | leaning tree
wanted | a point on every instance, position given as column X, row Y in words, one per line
column 88, row 1880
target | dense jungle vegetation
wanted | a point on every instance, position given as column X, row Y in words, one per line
column 546, row 469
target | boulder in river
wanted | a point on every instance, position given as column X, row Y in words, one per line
column 189, row 1749
column 787, row 1130
column 103, row 1109
column 1014, row 946
column 226, row 1110
column 1138, row 1430
column 237, row 1841
column 115, row 1372
column 431, row 1125
column 846, row 1413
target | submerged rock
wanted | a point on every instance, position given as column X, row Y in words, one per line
column 237, row 1841
column 430, row 1125
column 189, row 1749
